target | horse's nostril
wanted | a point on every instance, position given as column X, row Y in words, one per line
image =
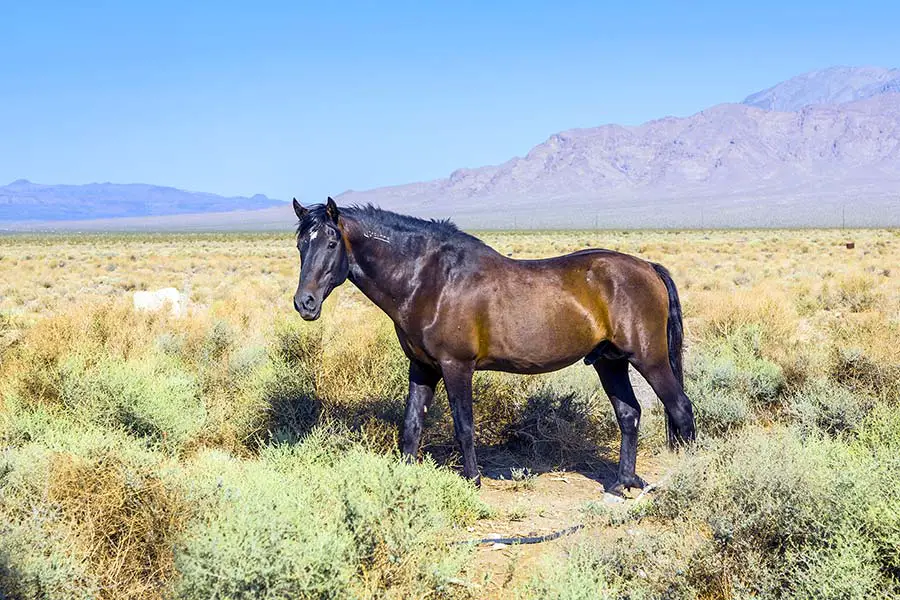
column 309, row 302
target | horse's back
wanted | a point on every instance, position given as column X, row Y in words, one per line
column 531, row 316
column 598, row 268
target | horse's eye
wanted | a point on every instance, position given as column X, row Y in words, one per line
column 332, row 244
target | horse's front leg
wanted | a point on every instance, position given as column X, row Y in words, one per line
column 422, row 381
column 458, row 381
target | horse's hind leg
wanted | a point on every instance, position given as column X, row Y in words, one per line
column 671, row 428
column 679, row 411
column 614, row 377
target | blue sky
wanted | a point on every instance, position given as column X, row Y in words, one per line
column 309, row 99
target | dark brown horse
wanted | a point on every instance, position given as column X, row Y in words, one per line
column 459, row 306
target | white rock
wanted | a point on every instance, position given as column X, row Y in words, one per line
column 158, row 300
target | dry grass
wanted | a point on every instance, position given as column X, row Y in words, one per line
column 783, row 327
column 126, row 520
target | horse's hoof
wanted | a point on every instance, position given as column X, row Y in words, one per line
column 473, row 479
column 617, row 490
column 626, row 482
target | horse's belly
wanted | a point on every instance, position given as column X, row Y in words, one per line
column 526, row 367
column 531, row 344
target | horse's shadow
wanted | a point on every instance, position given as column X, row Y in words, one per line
column 289, row 418
column 12, row 582
column 549, row 432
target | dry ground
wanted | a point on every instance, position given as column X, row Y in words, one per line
column 544, row 504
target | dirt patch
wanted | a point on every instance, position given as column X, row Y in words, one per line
column 540, row 505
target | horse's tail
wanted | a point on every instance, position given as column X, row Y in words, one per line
column 675, row 328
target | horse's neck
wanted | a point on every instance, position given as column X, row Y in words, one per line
column 378, row 270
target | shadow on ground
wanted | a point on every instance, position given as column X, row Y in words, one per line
column 544, row 431
column 547, row 433
column 11, row 582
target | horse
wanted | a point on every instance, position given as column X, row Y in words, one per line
column 459, row 306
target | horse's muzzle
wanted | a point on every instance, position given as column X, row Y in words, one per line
column 308, row 307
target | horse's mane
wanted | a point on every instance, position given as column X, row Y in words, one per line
column 384, row 221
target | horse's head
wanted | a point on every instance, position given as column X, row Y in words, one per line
column 323, row 257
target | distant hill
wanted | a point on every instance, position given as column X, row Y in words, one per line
column 278, row 218
column 836, row 85
column 739, row 164
column 820, row 149
column 23, row 200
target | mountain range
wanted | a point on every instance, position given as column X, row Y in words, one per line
column 820, row 149
column 23, row 200
column 796, row 154
column 836, row 85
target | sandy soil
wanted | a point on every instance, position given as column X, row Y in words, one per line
column 541, row 505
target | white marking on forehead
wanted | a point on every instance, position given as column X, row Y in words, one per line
column 313, row 234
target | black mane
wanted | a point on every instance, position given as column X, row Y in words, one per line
column 384, row 221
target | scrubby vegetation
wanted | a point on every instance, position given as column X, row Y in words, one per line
column 239, row 452
column 764, row 512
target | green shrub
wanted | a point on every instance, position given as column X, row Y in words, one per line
column 245, row 360
column 729, row 381
column 586, row 574
column 855, row 368
column 84, row 508
column 296, row 343
column 718, row 414
column 760, row 513
column 317, row 521
column 37, row 563
column 865, row 356
column 217, row 342
column 878, row 443
column 735, row 363
column 170, row 343
column 828, row 407
column 847, row 568
column 782, row 508
column 151, row 398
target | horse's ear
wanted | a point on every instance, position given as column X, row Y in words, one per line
column 331, row 210
column 301, row 212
